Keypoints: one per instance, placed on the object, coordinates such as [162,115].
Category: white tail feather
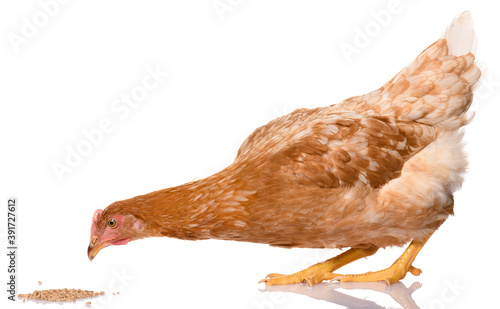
[460,35]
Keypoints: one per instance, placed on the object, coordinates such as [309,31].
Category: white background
[229,73]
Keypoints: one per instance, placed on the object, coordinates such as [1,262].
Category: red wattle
[121,242]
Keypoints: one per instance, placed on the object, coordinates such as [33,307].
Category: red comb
[95,218]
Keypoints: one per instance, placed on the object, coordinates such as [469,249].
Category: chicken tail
[460,35]
[436,88]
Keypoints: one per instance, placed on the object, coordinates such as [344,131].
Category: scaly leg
[321,271]
[395,272]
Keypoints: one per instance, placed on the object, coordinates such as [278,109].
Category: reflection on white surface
[328,292]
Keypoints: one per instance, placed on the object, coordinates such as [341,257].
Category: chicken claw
[311,277]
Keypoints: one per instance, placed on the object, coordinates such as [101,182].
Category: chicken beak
[93,250]
[91,253]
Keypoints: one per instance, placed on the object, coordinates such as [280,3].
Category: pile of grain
[60,294]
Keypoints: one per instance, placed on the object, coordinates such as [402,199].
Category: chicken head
[110,229]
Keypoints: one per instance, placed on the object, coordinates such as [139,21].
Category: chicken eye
[112,223]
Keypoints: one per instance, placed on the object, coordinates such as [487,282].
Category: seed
[88,304]
[39,282]
[60,294]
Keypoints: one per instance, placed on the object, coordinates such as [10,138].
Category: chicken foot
[395,272]
[321,271]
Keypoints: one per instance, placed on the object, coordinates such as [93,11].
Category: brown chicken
[373,171]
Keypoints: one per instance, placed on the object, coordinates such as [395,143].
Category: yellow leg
[395,272]
[321,271]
